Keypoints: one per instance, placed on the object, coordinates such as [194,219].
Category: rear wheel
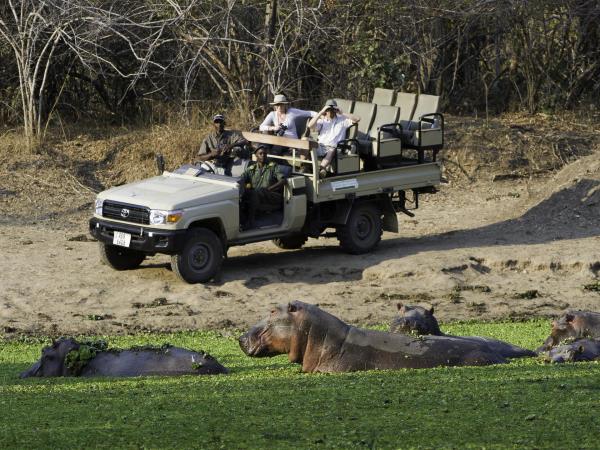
[120,258]
[362,231]
[201,257]
[291,242]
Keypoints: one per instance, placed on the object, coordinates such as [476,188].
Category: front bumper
[147,240]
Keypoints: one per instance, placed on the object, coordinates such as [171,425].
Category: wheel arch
[213,224]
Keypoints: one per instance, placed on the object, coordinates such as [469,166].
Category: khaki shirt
[214,140]
[262,178]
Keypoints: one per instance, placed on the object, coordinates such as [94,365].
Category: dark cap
[218,118]
[263,146]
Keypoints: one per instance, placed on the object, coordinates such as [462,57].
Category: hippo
[321,342]
[573,325]
[166,360]
[579,350]
[420,321]
[415,320]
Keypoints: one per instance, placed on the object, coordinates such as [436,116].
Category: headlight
[98,206]
[158,216]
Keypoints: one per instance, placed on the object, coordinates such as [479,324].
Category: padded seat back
[385,115]
[366,112]
[345,105]
[426,104]
[285,170]
[383,97]
[300,123]
[406,102]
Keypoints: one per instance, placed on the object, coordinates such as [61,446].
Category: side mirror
[160,163]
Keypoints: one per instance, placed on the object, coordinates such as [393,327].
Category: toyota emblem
[124,213]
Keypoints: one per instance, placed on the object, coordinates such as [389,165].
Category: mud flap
[390,220]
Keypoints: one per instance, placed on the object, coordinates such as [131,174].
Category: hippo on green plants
[321,342]
[415,320]
[578,350]
[67,357]
[419,321]
[573,325]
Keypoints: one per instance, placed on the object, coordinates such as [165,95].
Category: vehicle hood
[172,191]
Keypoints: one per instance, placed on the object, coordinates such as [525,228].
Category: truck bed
[375,182]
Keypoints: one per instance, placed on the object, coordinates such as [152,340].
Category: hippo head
[415,320]
[565,353]
[562,329]
[52,362]
[272,335]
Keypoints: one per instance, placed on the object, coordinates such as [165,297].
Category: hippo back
[368,350]
[171,361]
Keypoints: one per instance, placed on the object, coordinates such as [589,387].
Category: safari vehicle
[194,215]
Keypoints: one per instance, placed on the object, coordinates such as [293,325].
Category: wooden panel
[277,140]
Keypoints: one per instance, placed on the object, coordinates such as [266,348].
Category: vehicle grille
[125,212]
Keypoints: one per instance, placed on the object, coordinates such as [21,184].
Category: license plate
[122,239]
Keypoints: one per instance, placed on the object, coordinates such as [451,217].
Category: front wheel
[201,257]
[120,258]
[362,231]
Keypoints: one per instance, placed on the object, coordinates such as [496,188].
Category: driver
[222,146]
[263,184]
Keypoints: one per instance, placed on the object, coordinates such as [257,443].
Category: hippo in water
[419,321]
[573,325]
[579,350]
[166,360]
[321,342]
[415,320]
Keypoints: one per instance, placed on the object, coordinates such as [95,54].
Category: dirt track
[507,249]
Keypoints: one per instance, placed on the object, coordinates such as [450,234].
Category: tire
[291,242]
[201,257]
[120,258]
[362,231]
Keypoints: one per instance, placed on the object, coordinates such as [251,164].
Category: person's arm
[312,123]
[205,153]
[269,123]
[352,117]
[280,180]
[302,113]
[235,140]
[246,179]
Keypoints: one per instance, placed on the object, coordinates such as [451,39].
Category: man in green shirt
[263,183]
[222,146]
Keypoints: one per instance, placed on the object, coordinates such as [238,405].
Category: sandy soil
[512,248]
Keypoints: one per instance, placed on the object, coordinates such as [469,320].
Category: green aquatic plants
[79,357]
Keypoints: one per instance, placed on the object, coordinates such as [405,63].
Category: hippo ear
[399,306]
[569,317]
[580,349]
[431,310]
[292,307]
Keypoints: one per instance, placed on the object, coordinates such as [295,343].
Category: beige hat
[279,99]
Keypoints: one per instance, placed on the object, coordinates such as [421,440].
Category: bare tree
[38,30]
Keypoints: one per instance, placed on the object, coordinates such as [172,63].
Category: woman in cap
[331,124]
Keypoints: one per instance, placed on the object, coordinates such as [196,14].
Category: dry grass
[76,161]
